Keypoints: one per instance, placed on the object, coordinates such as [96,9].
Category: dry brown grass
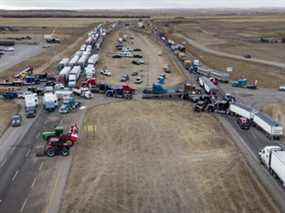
[50,22]
[267,76]
[151,156]
[7,109]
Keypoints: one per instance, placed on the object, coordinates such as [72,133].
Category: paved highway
[19,171]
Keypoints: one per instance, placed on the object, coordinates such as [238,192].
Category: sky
[137,4]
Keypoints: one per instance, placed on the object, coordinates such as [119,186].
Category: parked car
[282,88]
[137,50]
[138,80]
[125,78]
[134,73]
[248,56]
[138,62]
[138,56]
[116,56]
[106,72]
[16,120]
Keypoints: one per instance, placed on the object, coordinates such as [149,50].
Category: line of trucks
[83,60]
[273,156]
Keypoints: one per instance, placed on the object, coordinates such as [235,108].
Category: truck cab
[265,154]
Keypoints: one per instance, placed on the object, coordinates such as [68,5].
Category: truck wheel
[50,152]
[65,151]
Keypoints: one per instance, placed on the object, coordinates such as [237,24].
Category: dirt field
[149,156]
[267,76]
[72,33]
[7,109]
[238,35]
[149,72]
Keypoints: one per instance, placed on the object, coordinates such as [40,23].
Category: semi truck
[273,158]
[219,75]
[208,85]
[50,102]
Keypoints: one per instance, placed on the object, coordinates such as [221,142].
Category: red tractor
[60,143]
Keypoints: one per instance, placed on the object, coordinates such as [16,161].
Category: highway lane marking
[35,180]
[38,135]
[12,149]
[41,166]
[24,204]
[15,175]
[3,163]
[52,193]
[28,153]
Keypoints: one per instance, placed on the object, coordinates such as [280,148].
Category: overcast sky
[123,4]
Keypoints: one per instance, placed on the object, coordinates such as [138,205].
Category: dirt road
[228,55]
[154,156]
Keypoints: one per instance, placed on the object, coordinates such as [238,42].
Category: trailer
[93,59]
[64,62]
[272,128]
[73,76]
[63,74]
[74,60]
[83,59]
[219,75]
[90,71]
[208,85]
[242,110]
[273,158]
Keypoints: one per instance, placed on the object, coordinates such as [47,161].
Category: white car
[106,72]
[282,88]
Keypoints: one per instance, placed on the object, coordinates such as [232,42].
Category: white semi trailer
[268,125]
[242,110]
[273,158]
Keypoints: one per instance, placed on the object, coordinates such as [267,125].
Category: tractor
[59,143]
[56,146]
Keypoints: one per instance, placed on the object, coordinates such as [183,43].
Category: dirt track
[159,157]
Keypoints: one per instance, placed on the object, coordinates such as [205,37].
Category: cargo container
[242,110]
[219,75]
[273,158]
[268,125]
[64,62]
[208,86]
